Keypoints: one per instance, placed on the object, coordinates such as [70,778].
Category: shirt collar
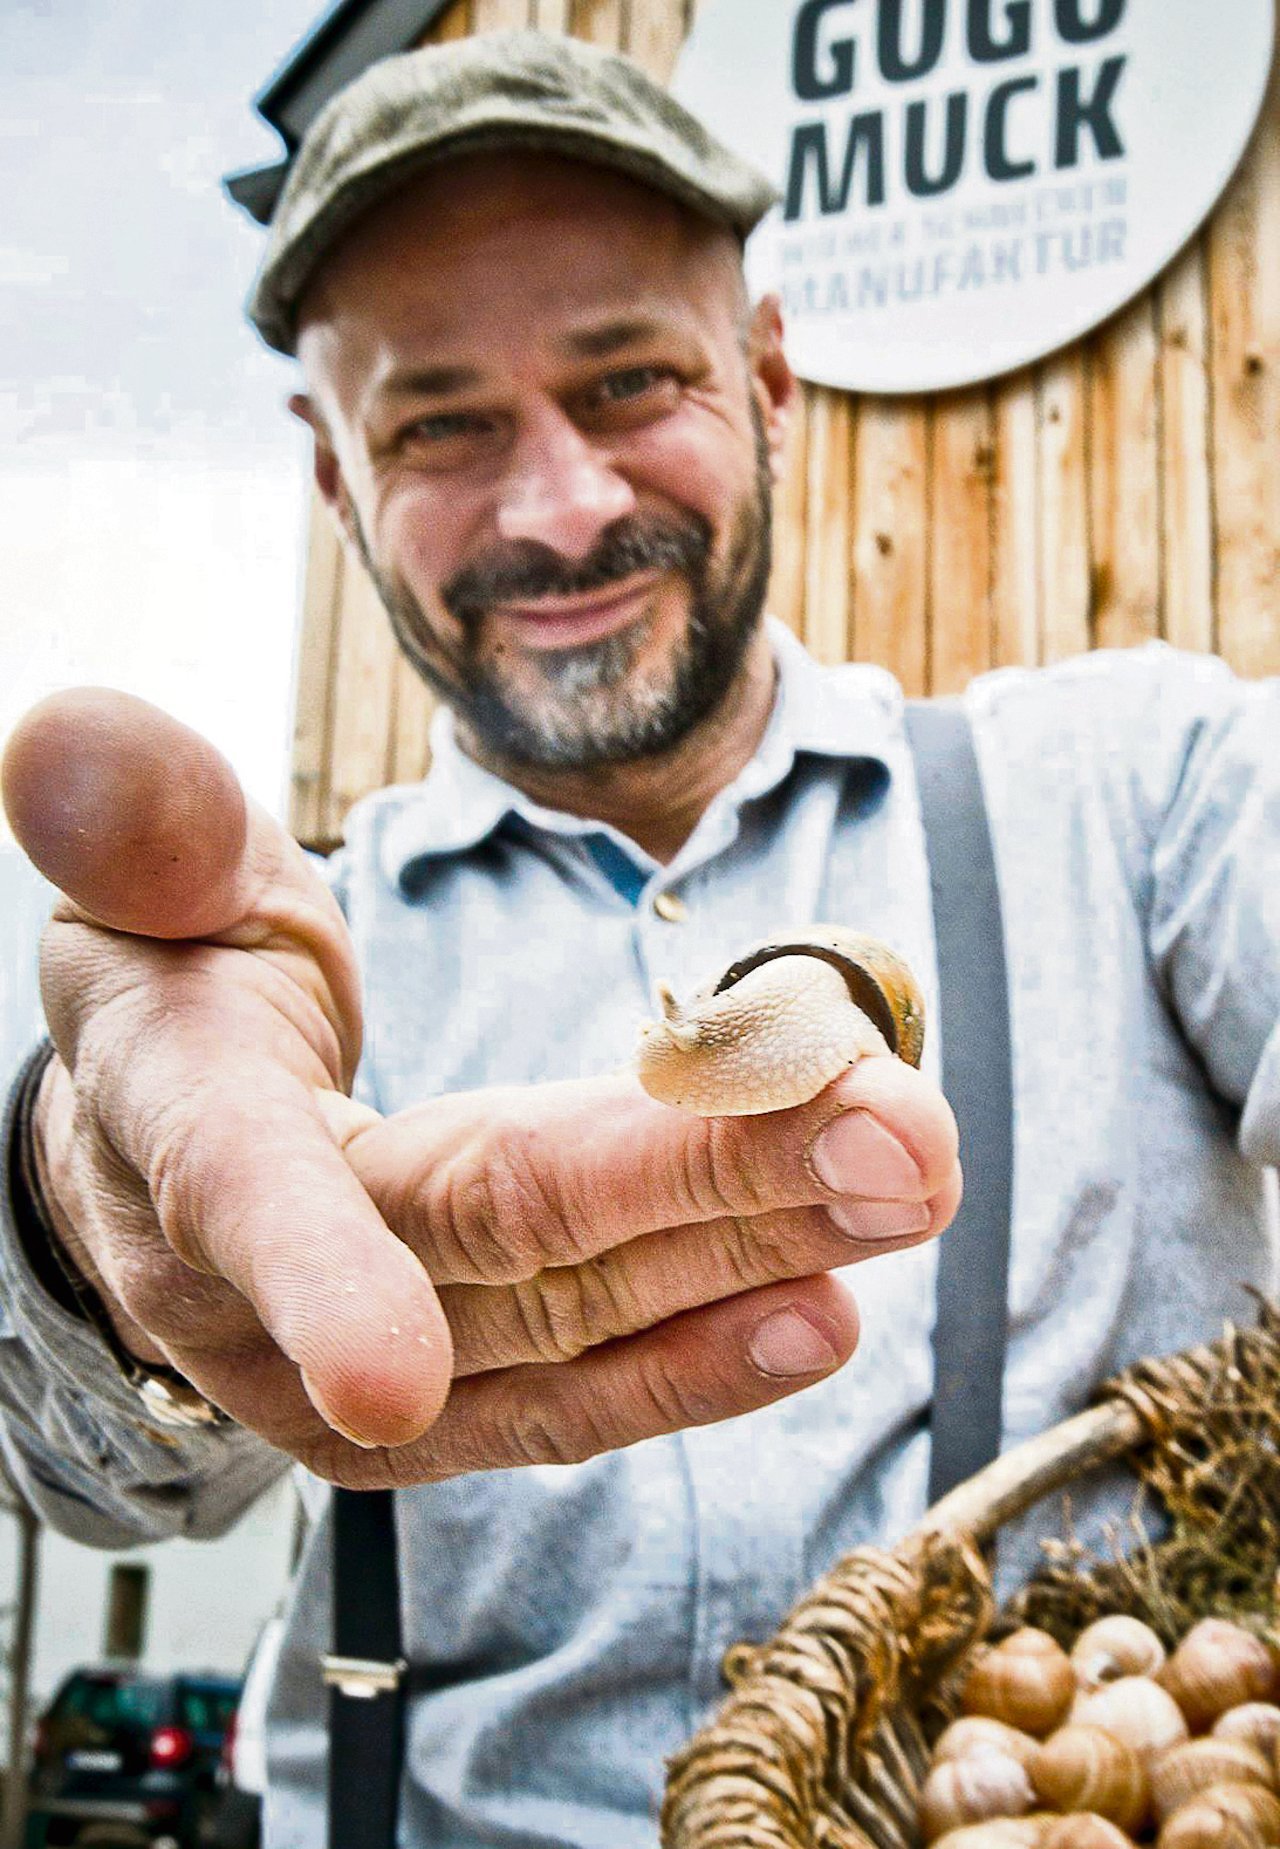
[852,712]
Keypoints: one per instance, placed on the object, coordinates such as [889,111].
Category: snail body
[997,1833]
[780,1024]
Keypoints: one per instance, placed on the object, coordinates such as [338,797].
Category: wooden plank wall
[1126,488]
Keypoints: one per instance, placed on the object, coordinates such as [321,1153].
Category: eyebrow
[589,343]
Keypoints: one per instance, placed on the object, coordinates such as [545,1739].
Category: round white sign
[968,184]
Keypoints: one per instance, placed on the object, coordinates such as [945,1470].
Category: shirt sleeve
[1213,822]
[74,1436]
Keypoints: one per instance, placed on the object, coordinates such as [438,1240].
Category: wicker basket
[823,1742]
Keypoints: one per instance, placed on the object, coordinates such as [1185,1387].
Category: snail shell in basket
[1185,1770]
[1085,1769]
[1256,1723]
[978,1733]
[781,1023]
[1225,1817]
[1219,1666]
[1137,1711]
[972,1790]
[1026,1681]
[998,1833]
[1114,1647]
[1085,1831]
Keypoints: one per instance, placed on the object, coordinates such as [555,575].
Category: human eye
[632,395]
[439,427]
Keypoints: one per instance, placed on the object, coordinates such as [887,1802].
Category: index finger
[492,1187]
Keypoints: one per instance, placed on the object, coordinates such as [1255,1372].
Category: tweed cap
[496,90]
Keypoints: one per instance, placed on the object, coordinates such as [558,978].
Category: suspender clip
[361,1678]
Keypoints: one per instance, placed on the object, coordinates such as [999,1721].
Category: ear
[772,379]
[325,466]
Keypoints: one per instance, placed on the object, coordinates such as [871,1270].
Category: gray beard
[584,708]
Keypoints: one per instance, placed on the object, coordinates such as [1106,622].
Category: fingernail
[872,1220]
[855,1155]
[787,1343]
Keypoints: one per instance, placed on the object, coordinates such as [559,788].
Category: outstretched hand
[530,1274]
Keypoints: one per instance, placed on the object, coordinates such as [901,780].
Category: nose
[559,490]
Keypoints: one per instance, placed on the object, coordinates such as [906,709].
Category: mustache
[526,570]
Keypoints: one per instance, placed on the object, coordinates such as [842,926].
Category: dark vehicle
[124,1759]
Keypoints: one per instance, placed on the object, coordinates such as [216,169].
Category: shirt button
[667,906]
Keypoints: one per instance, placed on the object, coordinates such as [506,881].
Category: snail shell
[998,1833]
[1084,1831]
[971,1790]
[1114,1647]
[1026,1681]
[1225,1817]
[1219,1666]
[1256,1724]
[1084,1769]
[978,1733]
[1185,1770]
[781,1023]
[1137,1711]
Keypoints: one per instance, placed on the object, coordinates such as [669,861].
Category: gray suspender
[366,1711]
[971,1322]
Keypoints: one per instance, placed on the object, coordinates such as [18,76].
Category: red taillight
[170,1746]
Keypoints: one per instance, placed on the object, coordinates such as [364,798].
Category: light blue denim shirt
[566,1625]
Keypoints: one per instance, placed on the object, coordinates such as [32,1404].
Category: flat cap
[496,90]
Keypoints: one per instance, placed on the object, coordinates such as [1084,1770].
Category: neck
[658,801]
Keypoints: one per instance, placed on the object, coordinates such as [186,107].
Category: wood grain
[1124,479]
[1015,518]
[962,470]
[1186,499]
[1064,598]
[312,711]
[786,597]
[891,538]
[829,525]
[1244,267]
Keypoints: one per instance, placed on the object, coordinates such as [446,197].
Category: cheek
[702,467]
[422,537]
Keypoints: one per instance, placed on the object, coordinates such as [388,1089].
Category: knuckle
[670,1403]
[547,1434]
[501,1211]
[580,1305]
[720,1177]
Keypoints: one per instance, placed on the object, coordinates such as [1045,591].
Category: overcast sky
[151,486]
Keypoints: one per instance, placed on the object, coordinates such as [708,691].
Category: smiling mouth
[587,616]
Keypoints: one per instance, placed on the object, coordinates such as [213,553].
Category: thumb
[135,817]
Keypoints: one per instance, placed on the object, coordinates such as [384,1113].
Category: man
[546,416]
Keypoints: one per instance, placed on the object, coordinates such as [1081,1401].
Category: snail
[1256,1723]
[1219,1666]
[1084,1769]
[1137,1711]
[1114,1647]
[1085,1831]
[998,1833]
[1224,1817]
[1185,1770]
[961,1791]
[978,1733]
[781,1023]
[1026,1681]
